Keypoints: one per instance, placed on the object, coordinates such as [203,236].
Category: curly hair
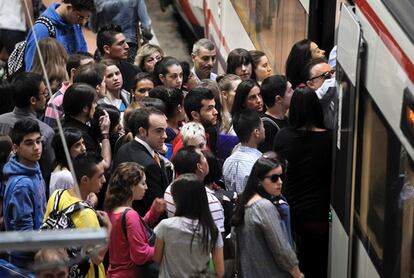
[124,178]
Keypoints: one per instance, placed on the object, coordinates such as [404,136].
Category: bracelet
[105,136]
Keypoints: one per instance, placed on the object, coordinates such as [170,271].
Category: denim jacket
[125,13]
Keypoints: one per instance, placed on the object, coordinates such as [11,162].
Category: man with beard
[149,127]
[199,106]
[204,59]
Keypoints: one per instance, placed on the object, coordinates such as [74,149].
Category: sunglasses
[275,177]
[325,75]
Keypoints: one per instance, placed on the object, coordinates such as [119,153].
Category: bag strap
[236,265]
[70,209]
[57,199]
[269,120]
[50,27]
[123,222]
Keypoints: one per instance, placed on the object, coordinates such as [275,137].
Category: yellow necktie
[157,159]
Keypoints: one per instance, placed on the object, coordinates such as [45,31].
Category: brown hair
[123,179]
[54,57]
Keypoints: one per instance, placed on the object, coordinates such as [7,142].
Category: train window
[273,26]
[402,10]
[373,178]
[406,208]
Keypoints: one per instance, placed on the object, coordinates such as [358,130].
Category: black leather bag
[149,269]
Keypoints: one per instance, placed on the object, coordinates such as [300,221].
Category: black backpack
[61,219]
[15,63]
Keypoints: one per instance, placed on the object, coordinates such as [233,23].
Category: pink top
[126,256]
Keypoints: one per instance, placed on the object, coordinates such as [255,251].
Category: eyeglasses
[324,76]
[80,16]
[275,177]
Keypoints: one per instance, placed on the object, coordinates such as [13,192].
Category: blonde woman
[147,56]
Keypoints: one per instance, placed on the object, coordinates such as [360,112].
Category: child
[184,242]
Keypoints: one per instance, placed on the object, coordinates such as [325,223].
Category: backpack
[15,63]
[61,219]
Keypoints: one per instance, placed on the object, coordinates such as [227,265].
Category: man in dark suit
[149,127]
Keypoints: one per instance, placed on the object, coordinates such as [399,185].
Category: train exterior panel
[372,183]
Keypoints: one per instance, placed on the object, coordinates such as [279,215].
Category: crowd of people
[186,169]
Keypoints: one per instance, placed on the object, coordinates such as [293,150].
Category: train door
[347,75]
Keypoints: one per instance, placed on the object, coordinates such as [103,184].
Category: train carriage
[372,200]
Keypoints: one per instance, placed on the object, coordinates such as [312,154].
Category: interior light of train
[407,116]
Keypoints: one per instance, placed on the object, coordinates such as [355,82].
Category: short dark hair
[310,64]
[161,67]
[91,74]
[140,118]
[172,97]
[238,57]
[305,109]
[155,103]
[76,97]
[245,122]
[25,86]
[142,76]
[273,86]
[22,128]
[74,60]
[81,5]
[113,113]
[106,36]
[242,91]
[192,101]
[185,160]
[72,136]
[85,165]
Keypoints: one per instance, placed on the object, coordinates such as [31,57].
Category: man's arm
[21,209]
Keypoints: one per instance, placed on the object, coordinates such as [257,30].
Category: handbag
[149,269]
[232,266]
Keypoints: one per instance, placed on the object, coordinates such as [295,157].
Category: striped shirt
[53,112]
[216,210]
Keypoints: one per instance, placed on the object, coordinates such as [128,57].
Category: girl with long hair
[247,97]
[300,54]
[129,245]
[260,229]
[184,242]
[261,65]
[61,177]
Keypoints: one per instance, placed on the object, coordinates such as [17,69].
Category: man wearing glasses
[321,78]
[66,19]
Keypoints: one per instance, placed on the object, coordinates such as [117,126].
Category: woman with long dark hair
[184,242]
[300,54]
[129,246]
[260,229]
[61,177]
[307,146]
[247,97]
